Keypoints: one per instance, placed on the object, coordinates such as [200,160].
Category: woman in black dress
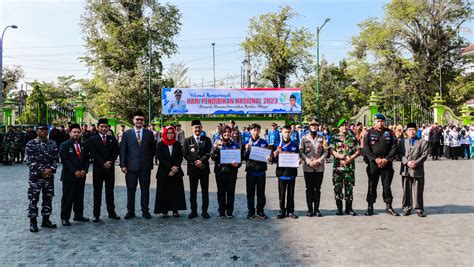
[170,187]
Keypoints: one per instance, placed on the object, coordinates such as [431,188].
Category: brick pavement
[445,237]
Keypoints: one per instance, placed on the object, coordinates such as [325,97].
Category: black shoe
[205,215]
[165,216]
[229,215]
[339,207]
[262,215]
[349,210]
[96,219]
[192,215]
[65,222]
[310,214]
[317,213]
[420,214]
[250,215]
[292,215]
[176,214]
[391,211]
[47,223]
[222,216]
[370,210]
[80,219]
[129,215]
[281,214]
[146,215]
[406,213]
[114,216]
[33,225]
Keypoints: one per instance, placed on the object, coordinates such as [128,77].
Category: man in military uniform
[9,146]
[345,149]
[20,143]
[2,137]
[380,148]
[178,105]
[42,160]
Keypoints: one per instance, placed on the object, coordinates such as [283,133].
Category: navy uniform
[2,137]
[255,178]
[20,143]
[380,144]
[286,181]
[9,146]
[41,155]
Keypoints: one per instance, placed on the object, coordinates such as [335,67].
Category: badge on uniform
[193,150]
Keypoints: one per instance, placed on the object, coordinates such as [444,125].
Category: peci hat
[195,122]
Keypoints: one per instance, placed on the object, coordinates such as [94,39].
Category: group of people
[137,148]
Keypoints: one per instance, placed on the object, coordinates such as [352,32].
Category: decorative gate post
[438,109]
[374,101]
[466,115]
[79,109]
[8,106]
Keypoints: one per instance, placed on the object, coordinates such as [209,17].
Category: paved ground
[445,237]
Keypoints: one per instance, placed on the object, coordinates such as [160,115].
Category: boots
[33,225]
[339,207]
[47,223]
[370,210]
[349,210]
[390,210]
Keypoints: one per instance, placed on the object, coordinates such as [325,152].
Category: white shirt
[197,138]
[141,133]
[170,148]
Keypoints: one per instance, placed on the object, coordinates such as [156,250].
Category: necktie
[78,150]
[138,137]
[103,139]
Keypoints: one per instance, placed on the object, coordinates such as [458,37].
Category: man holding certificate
[286,155]
[257,154]
[227,155]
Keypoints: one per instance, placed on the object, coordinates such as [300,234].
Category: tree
[11,76]
[408,50]
[282,49]
[178,73]
[119,37]
[35,109]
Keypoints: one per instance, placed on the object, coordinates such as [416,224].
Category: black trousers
[386,175]
[193,183]
[73,198]
[99,177]
[258,183]
[286,189]
[313,182]
[226,192]
[435,149]
[132,179]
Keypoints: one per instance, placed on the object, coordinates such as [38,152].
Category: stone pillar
[438,109]
[79,110]
[374,101]
[466,115]
[8,107]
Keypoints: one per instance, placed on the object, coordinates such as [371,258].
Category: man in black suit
[137,150]
[197,151]
[75,158]
[104,150]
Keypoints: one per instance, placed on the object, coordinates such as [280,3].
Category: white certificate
[290,160]
[230,155]
[259,153]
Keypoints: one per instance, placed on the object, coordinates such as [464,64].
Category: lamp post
[214,63]
[318,84]
[149,72]
[1,62]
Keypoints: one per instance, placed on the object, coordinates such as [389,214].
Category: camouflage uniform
[41,155]
[20,138]
[2,137]
[9,147]
[343,176]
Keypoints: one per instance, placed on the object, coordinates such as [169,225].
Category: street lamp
[214,63]
[1,62]
[318,84]
[149,71]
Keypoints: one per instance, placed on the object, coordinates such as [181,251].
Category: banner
[231,101]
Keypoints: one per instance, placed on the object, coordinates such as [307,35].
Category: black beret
[411,125]
[75,126]
[42,126]
[139,113]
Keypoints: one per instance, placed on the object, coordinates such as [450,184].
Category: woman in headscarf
[226,174]
[170,187]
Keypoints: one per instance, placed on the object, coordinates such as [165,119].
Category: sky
[48,41]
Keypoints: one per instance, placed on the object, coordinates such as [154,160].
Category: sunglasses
[139,119]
